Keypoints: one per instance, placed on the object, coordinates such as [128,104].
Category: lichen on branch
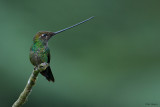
[31,82]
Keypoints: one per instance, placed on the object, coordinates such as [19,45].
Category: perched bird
[40,53]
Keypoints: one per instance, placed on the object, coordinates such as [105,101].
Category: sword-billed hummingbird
[39,51]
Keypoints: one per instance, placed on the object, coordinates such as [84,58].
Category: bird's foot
[43,66]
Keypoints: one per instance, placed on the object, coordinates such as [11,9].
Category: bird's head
[44,36]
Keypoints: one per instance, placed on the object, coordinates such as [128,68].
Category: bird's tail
[48,74]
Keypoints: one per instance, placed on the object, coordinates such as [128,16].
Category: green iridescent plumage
[40,53]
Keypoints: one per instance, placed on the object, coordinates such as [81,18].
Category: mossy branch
[31,82]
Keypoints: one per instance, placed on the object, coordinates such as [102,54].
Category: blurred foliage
[110,61]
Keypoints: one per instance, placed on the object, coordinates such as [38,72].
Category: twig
[31,82]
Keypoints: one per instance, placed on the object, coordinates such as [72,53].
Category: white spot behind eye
[43,35]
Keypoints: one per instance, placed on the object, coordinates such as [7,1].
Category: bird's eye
[44,35]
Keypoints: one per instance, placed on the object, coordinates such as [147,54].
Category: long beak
[73,26]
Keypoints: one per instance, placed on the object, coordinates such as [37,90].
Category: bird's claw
[43,66]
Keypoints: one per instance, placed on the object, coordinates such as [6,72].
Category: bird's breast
[38,56]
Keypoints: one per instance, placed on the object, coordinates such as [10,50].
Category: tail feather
[48,74]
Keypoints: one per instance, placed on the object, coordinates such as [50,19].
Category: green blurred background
[111,61]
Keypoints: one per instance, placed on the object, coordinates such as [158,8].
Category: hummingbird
[40,53]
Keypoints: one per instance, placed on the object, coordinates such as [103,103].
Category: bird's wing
[48,55]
